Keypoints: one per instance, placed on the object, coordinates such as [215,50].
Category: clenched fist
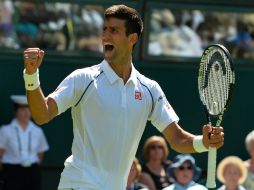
[32,59]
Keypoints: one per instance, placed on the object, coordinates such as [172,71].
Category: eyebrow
[111,27]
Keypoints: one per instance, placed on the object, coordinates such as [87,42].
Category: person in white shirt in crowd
[185,173]
[22,147]
[111,103]
[232,173]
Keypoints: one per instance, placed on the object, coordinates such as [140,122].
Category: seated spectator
[185,173]
[134,176]
[232,173]
[249,143]
[154,174]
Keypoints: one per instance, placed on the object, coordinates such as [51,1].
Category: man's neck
[23,124]
[123,70]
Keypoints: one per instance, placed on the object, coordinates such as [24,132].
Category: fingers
[32,59]
[216,137]
[213,136]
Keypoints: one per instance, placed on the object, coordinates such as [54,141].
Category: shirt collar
[113,77]
[16,124]
[179,186]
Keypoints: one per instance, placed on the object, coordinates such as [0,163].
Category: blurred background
[175,35]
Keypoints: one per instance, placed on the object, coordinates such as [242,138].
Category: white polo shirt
[22,146]
[109,119]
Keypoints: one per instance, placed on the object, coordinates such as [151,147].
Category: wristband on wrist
[32,82]
[198,144]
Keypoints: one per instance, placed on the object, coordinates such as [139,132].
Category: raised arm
[42,109]
[182,141]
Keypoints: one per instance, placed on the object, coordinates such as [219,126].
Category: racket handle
[212,154]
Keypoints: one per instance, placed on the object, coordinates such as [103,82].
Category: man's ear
[133,38]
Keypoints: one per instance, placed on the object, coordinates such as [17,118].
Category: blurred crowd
[23,144]
[183,173]
[56,26]
[176,32]
[187,32]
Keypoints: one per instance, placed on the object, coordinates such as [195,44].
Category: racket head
[216,79]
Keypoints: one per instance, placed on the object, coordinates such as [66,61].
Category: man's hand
[213,136]
[32,59]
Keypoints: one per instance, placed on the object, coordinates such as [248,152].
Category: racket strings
[216,79]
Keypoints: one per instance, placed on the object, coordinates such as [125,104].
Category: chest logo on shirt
[138,95]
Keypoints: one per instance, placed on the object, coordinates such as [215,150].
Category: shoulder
[221,187]
[198,186]
[170,187]
[241,187]
[36,128]
[247,163]
[88,72]
[146,81]
[5,128]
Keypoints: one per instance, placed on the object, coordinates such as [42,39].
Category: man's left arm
[182,141]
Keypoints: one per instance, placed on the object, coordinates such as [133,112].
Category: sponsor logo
[138,95]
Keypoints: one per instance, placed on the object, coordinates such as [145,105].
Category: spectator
[22,147]
[232,173]
[185,173]
[154,171]
[134,176]
[249,143]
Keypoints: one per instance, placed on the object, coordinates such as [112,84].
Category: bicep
[52,108]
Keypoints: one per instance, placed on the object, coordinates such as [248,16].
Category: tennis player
[111,103]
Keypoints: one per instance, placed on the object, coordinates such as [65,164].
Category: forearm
[179,140]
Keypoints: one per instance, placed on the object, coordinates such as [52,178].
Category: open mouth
[108,47]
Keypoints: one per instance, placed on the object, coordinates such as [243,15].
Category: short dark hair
[17,106]
[133,21]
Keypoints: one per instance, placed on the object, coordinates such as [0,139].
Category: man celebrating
[111,103]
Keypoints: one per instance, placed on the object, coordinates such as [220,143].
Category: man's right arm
[42,109]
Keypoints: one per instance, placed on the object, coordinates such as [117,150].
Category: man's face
[23,114]
[116,45]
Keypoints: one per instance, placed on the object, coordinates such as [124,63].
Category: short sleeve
[67,93]
[162,114]
[3,137]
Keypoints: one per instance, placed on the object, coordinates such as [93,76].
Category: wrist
[32,81]
[198,144]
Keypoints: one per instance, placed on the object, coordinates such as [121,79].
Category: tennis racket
[216,79]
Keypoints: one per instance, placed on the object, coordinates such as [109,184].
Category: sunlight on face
[117,45]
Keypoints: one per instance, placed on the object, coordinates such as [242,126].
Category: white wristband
[198,144]
[32,82]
